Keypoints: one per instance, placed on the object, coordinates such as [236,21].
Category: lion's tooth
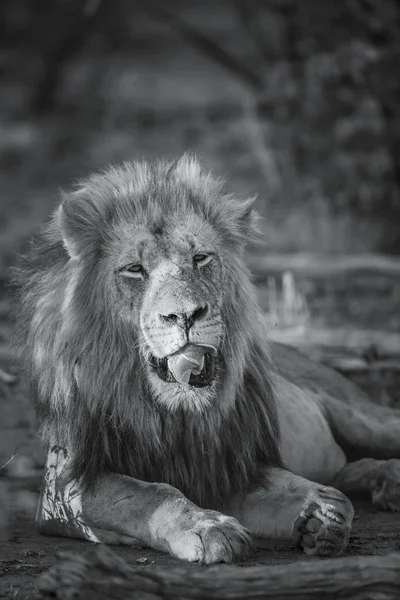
[199,369]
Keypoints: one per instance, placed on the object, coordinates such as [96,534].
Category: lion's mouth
[194,366]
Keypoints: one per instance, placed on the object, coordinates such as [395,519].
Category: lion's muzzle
[192,365]
[182,326]
[185,320]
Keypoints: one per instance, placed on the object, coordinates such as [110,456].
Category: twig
[9,460]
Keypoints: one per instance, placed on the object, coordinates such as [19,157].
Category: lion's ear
[78,219]
[248,219]
[240,217]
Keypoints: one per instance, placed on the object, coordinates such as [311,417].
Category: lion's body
[155,385]
[308,447]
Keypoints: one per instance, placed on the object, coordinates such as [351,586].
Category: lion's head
[164,249]
[138,311]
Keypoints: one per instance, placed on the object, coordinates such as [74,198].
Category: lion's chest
[307,444]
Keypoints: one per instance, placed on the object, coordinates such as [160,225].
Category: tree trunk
[102,574]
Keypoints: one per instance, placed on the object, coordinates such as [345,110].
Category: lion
[170,420]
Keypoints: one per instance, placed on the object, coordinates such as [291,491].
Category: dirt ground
[24,554]
[27,554]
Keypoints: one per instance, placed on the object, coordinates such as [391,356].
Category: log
[353,364]
[309,338]
[316,265]
[101,574]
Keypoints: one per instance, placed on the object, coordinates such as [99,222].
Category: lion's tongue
[187,361]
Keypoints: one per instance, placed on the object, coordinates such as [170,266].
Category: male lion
[170,421]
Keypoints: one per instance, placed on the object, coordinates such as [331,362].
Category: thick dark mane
[92,390]
[208,457]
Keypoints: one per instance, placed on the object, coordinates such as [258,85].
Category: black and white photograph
[199,299]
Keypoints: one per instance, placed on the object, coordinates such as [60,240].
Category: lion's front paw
[385,492]
[211,538]
[323,526]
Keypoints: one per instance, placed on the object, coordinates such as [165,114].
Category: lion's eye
[201,258]
[132,271]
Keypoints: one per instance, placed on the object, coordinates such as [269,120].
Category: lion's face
[167,282]
[163,246]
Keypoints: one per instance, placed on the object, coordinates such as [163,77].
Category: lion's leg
[364,430]
[380,478]
[316,517]
[123,510]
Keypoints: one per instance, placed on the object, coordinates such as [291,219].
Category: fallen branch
[312,265]
[9,460]
[102,574]
[353,364]
[310,339]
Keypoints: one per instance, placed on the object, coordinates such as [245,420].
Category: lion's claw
[213,538]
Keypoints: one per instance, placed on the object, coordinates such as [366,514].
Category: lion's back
[315,377]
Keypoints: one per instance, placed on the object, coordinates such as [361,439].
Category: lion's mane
[106,413]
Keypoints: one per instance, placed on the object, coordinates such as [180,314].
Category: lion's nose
[185,320]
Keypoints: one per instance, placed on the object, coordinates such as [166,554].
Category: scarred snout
[182,328]
[176,313]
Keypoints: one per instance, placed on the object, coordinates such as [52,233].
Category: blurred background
[297,101]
